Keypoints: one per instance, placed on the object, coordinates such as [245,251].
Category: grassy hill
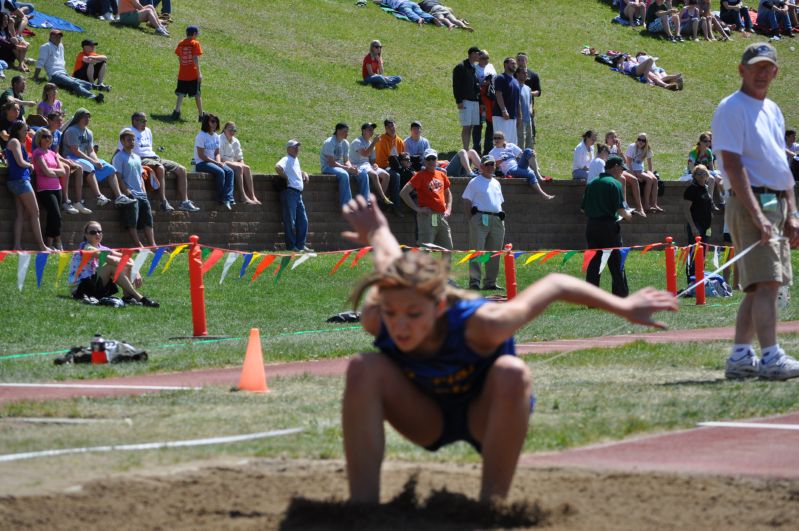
[291,69]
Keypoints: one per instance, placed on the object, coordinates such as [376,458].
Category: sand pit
[285,494]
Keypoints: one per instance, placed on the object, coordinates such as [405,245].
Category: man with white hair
[295,220]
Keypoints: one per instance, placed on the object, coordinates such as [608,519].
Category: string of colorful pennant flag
[258,262]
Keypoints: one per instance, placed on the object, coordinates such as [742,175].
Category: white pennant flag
[716,257]
[605,257]
[138,263]
[231,257]
[22,269]
[301,259]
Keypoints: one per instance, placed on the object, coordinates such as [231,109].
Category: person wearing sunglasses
[48,172]
[206,155]
[433,204]
[372,69]
[95,282]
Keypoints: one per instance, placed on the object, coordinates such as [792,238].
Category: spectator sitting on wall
[54,122]
[335,160]
[208,160]
[144,148]
[362,156]
[513,162]
[77,144]
[387,151]
[416,145]
[91,66]
[232,155]
[138,215]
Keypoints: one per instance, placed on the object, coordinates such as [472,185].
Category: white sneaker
[779,367]
[67,207]
[162,31]
[81,208]
[102,200]
[124,200]
[746,366]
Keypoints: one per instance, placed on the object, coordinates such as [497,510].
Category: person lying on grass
[446,369]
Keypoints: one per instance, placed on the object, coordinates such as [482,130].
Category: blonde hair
[700,169]
[419,271]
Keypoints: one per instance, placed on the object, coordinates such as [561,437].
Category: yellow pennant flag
[466,258]
[533,257]
[63,261]
[726,254]
[172,256]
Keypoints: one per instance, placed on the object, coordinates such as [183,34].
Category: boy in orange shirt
[434,202]
[189,75]
[91,66]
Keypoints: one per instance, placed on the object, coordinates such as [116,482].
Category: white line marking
[753,425]
[102,386]
[56,420]
[149,446]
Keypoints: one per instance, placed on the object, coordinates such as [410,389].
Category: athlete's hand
[365,218]
[645,302]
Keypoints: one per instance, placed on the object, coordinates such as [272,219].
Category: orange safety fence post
[510,272]
[197,287]
[699,271]
[671,267]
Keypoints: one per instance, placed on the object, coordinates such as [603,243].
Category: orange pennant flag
[266,262]
[3,255]
[85,256]
[212,259]
[549,255]
[587,256]
[644,251]
[360,255]
[340,261]
[123,261]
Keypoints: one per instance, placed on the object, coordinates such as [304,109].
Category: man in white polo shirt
[295,220]
[748,131]
[482,201]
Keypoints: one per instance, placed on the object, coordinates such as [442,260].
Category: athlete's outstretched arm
[370,227]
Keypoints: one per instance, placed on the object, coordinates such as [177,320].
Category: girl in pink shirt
[48,171]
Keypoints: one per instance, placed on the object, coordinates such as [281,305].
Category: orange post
[197,288]
[510,272]
[699,270]
[671,267]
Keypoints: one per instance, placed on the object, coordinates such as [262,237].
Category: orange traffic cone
[253,374]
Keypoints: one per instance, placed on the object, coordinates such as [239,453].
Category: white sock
[770,353]
[740,351]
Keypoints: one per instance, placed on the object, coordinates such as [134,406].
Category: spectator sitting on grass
[233,157]
[51,58]
[15,94]
[54,122]
[103,9]
[77,144]
[50,102]
[711,20]
[372,68]
[132,13]
[734,12]
[691,21]
[633,10]
[143,147]
[138,215]
[792,152]
[444,15]
[12,46]
[773,14]
[97,281]
[662,18]
[91,66]
[19,183]
[513,162]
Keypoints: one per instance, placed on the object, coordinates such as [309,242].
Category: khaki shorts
[764,263]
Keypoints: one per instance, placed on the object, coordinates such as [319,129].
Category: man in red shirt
[433,205]
[189,75]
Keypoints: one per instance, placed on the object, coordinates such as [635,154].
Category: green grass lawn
[291,69]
